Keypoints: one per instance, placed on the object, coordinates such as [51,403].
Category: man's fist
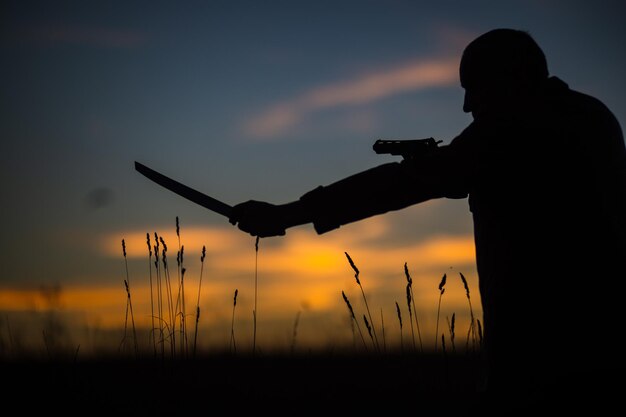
[259,218]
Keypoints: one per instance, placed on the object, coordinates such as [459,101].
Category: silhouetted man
[544,168]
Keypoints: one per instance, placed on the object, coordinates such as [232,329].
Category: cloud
[412,76]
[302,252]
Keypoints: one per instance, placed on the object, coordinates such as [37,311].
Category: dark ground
[241,385]
[267,385]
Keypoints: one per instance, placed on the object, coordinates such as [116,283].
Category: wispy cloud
[302,252]
[412,76]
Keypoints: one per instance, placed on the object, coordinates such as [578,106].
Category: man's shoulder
[578,100]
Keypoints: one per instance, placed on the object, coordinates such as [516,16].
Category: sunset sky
[245,100]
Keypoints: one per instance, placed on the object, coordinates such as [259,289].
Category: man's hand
[259,218]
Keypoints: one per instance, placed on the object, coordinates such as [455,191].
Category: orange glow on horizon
[299,274]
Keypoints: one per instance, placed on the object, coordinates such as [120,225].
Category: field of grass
[158,371]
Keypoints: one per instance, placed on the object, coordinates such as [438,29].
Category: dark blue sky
[90,87]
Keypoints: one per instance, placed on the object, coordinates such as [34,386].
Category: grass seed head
[408,295]
[442,283]
[367,324]
[452,322]
[399,314]
[356,270]
[345,298]
[148,242]
[465,284]
[408,276]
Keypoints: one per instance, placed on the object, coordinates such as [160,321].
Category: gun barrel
[403,147]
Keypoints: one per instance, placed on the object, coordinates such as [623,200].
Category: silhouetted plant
[233,345]
[472,329]
[358,281]
[410,299]
[129,304]
[441,291]
[256,285]
[451,329]
[354,320]
[195,337]
[153,329]
[400,321]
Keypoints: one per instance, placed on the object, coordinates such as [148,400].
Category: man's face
[486,92]
[476,97]
[483,97]
[472,102]
[479,99]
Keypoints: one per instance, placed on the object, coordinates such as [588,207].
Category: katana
[185,191]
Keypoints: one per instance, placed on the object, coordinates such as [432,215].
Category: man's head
[499,69]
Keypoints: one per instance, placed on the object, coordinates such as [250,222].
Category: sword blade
[185,191]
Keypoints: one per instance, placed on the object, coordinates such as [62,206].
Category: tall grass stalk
[472,330]
[180,309]
[195,336]
[400,321]
[353,318]
[451,325]
[358,281]
[382,329]
[295,332]
[152,330]
[159,290]
[184,343]
[170,303]
[480,332]
[369,329]
[233,345]
[441,291]
[408,302]
[129,304]
[412,309]
[256,280]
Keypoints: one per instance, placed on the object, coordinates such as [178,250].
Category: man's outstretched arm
[384,188]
